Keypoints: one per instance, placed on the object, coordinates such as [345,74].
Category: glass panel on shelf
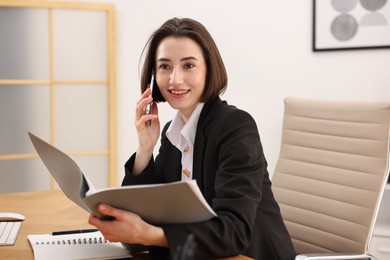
[80,45]
[23,175]
[82,117]
[24,43]
[23,109]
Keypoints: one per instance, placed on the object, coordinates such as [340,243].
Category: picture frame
[351,24]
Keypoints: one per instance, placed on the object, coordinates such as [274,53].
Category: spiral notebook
[75,246]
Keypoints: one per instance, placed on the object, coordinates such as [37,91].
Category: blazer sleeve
[151,174]
[234,166]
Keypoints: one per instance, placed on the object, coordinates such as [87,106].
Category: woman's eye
[164,67]
[189,66]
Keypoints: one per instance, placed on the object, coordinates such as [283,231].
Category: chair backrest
[331,173]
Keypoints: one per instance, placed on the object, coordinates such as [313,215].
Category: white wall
[266,46]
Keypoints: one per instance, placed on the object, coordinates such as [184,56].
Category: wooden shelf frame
[109,9]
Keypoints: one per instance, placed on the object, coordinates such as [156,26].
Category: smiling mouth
[179,92]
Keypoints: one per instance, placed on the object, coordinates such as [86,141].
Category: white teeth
[179,92]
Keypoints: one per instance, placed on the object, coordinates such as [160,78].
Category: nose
[176,77]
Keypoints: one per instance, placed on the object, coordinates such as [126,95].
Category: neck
[186,114]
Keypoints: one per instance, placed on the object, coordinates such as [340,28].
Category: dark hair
[216,77]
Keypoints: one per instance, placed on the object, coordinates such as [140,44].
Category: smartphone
[149,106]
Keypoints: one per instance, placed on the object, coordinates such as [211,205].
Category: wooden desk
[46,212]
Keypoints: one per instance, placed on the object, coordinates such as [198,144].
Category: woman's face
[180,73]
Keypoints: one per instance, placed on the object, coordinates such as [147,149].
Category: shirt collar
[180,133]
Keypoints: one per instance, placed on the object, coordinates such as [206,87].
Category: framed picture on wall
[351,24]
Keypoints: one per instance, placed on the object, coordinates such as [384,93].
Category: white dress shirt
[182,135]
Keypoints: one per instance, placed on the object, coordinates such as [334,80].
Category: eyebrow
[182,59]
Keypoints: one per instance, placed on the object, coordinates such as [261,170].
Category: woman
[208,140]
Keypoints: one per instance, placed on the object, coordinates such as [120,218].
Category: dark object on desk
[187,251]
[68,232]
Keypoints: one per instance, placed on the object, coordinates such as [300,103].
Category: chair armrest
[335,256]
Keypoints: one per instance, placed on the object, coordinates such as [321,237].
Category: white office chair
[331,174]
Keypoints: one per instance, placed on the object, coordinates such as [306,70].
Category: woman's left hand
[127,228]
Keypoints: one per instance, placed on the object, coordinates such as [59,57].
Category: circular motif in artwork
[372,5]
[344,27]
[343,6]
[373,19]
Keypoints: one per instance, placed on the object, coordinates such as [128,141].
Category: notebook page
[75,246]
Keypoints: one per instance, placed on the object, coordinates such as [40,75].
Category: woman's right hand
[147,134]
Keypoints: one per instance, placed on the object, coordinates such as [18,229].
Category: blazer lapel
[200,139]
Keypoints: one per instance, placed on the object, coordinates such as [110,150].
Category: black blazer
[231,171]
